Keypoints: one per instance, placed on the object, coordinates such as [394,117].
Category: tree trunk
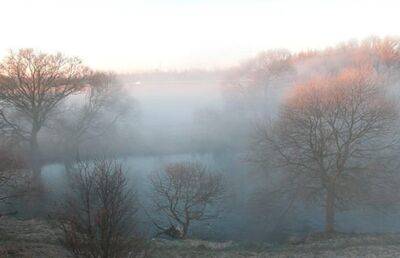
[36,162]
[71,155]
[36,195]
[185,230]
[330,210]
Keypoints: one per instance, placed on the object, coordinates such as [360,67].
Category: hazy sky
[177,34]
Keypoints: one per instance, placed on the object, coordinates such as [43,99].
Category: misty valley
[287,154]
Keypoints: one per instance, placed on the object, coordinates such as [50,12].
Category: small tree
[98,217]
[326,139]
[183,193]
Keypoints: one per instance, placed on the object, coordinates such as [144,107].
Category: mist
[282,151]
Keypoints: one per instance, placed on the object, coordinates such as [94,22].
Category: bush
[98,217]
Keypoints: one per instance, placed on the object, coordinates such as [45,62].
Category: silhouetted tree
[326,137]
[183,193]
[93,113]
[32,84]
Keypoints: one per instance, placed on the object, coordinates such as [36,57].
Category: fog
[201,116]
[284,144]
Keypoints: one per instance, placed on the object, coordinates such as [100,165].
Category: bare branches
[92,113]
[185,192]
[327,134]
[34,83]
[98,219]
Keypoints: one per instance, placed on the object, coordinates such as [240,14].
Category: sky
[129,35]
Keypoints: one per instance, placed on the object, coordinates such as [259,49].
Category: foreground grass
[35,238]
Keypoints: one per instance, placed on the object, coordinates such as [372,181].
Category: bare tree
[253,85]
[184,193]
[92,114]
[324,144]
[31,86]
[98,217]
